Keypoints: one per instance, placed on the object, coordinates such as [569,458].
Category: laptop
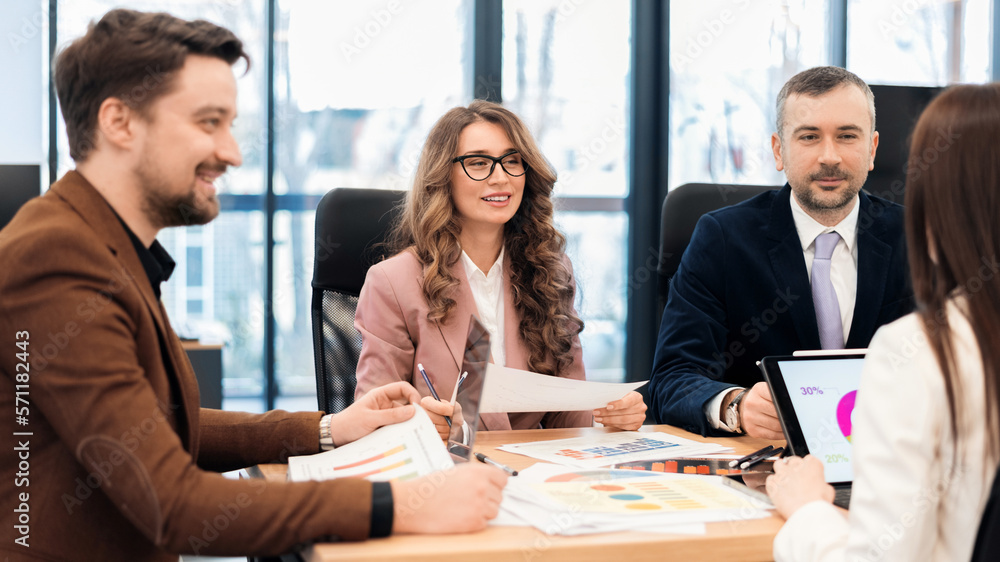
[469,391]
[814,396]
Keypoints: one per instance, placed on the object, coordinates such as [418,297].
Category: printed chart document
[609,448]
[564,501]
[514,390]
[395,452]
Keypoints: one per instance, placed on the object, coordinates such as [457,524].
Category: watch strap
[734,406]
[325,435]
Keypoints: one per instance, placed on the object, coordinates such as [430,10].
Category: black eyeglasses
[480,166]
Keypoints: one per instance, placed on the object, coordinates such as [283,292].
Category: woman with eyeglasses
[476,236]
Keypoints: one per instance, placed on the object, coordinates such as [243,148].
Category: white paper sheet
[401,451]
[514,390]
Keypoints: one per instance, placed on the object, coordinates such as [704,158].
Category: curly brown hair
[540,276]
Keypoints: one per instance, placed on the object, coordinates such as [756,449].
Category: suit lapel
[789,268]
[873,270]
[95,210]
[456,330]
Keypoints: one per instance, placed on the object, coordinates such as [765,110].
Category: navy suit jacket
[742,293]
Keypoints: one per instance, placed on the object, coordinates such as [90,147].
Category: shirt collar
[809,229]
[471,268]
[156,262]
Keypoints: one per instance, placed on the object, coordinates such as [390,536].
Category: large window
[919,43]
[216,293]
[570,84]
[721,120]
[357,87]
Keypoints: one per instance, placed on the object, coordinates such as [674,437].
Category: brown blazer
[122,460]
[396,335]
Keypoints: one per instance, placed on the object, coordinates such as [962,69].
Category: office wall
[22,149]
[22,35]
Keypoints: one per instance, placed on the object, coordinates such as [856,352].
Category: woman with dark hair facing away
[476,236]
[925,434]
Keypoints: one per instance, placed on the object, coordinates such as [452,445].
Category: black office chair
[987,547]
[351,225]
[682,208]
[19,183]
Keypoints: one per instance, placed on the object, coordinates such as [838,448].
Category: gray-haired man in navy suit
[815,265]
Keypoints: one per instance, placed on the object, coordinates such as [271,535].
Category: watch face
[731,419]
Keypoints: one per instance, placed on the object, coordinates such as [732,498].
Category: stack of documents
[573,502]
[394,452]
[611,448]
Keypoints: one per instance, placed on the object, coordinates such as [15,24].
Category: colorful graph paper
[635,496]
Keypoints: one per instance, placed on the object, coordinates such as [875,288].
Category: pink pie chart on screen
[844,410]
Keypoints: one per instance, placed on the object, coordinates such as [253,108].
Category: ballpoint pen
[434,393]
[741,460]
[757,458]
[491,462]
[458,385]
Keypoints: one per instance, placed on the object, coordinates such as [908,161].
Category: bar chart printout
[610,448]
[396,452]
[716,466]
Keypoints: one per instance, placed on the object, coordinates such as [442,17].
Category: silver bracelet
[325,436]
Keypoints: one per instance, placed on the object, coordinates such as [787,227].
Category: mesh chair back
[351,226]
[682,208]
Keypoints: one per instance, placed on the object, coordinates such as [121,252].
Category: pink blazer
[396,335]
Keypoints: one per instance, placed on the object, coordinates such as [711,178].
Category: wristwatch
[732,417]
[325,436]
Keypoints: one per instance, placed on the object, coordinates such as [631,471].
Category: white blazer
[910,502]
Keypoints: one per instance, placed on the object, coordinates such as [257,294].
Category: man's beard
[164,210]
[809,201]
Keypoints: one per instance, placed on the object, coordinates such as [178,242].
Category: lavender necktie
[831,329]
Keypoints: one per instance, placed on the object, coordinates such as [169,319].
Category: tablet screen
[822,392]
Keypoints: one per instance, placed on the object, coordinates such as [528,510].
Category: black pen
[492,462]
[434,393]
[762,456]
[741,460]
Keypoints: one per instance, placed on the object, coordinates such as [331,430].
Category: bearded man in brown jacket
[112,458]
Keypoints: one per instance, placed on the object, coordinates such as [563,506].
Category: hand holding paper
[385,405]
[628,413]
[514,390]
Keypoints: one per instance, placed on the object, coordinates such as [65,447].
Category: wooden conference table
[729,541]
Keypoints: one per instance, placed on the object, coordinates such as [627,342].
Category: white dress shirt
[843,274]
[487,291]
[910,501]
[843,263]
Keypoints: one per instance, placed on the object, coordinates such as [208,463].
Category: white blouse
[487,292]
